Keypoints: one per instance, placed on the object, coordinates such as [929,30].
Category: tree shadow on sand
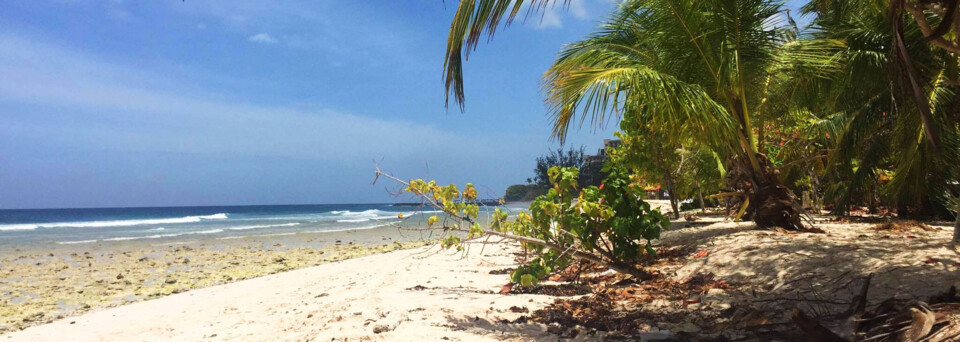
[730,282]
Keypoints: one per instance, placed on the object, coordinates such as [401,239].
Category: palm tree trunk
[668,178]
[771,204]
[703,207]
[673,195]
[814,190]
[956,226]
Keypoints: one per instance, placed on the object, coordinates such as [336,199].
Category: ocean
[20,227]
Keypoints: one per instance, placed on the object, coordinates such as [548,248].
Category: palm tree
[882,117]
[882,131]
[705,70]
[944,12]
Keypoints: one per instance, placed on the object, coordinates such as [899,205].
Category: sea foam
[353,220]
[264,226]
[114,223]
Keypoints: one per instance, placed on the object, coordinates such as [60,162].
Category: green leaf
[526,280]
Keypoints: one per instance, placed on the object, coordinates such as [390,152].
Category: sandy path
[344,300]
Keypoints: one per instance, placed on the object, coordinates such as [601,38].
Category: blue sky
[160,103]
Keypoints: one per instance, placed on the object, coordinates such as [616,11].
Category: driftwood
[920,322]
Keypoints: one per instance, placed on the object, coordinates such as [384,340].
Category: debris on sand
[902,226]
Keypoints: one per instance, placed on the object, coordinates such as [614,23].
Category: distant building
[601,156]
[611,143]
[590,172]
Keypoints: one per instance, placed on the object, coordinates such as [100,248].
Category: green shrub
[609,224]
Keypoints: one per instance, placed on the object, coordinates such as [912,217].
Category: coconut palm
[704,70]
[723,74]
[936,19]
[884,145]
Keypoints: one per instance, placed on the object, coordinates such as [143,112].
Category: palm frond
[473,20]
[674,106]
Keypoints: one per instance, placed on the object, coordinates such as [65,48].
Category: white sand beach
[713,277]
[410,295]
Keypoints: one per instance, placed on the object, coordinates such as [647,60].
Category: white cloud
[122,108]
[552,15]
[550,18]
[262,38]
[317,26]
[578,9]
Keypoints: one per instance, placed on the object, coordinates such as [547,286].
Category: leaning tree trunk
[771,203]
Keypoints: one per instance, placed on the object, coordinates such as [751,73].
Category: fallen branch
[918,323]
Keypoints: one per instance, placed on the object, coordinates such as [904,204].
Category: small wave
[155,236]
[256,235]
[346,229]
[280,234]
[306,232]
[159,236]
[379,215]
[264,226]
[75,242]
[115,223]
[410,214]
[378,218]
[369,212]
[125,238]
[18,226]
[353,220]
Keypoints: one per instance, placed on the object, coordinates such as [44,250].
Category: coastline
[411,295]
[710,276]
[43,283]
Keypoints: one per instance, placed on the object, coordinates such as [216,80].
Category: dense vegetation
[560,158]
[523,192]
[734,99]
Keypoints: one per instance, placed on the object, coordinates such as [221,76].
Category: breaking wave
[114,223]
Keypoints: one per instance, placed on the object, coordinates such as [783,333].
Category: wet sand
[40,284]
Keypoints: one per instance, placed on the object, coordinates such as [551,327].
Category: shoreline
[710,276]
[43,283]
[416,294]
